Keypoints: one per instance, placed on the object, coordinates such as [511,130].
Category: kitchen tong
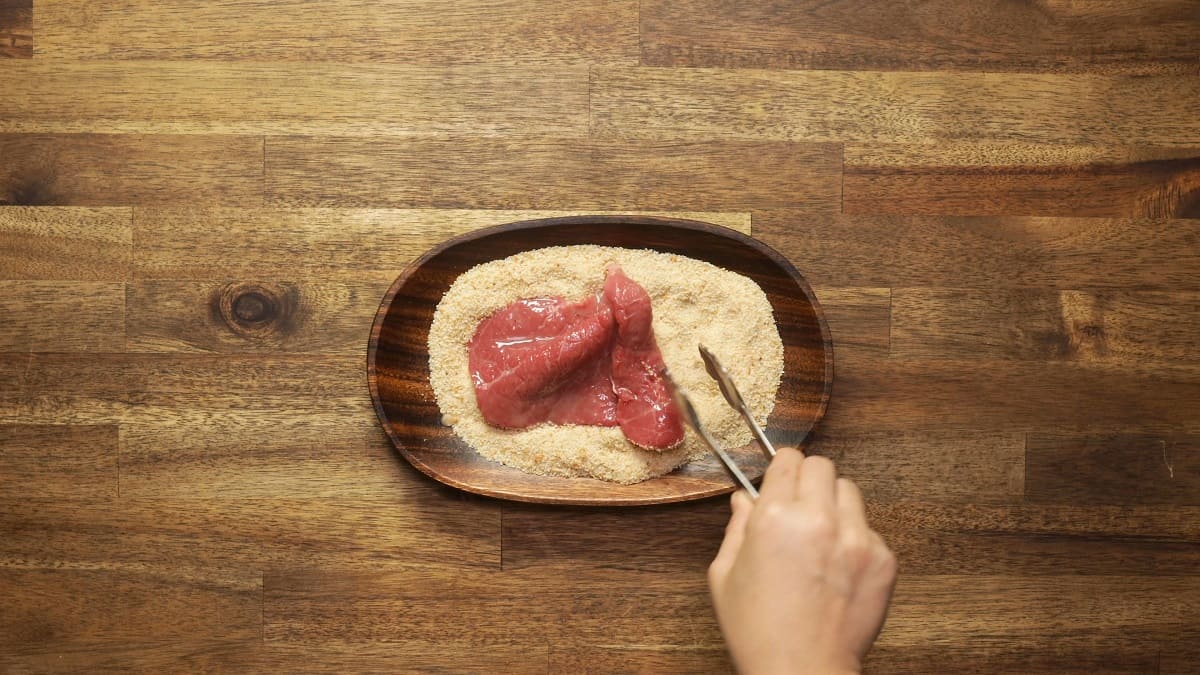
[734,398]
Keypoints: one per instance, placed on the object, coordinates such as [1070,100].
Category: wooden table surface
[204,201]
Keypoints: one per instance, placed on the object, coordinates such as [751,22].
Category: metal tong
[734,398]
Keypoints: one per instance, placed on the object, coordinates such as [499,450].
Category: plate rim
[537,223]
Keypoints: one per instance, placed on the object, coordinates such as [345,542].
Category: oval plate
[398,360]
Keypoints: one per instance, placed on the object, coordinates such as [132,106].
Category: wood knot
[32,185]
[256,310]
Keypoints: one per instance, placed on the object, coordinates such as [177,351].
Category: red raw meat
[645,409]
[593,362]
[543,360]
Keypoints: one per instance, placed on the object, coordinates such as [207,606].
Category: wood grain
[436,656]
[404,530]
[1002,612]
[121,170]
[1113,469]
[68,243]
[252,316]
[57,316]
[62,462]
[343,244]
[206,97]
[859,318]
[329,455]
[1042,540]
[590,606]
[197,655]
[551,173]
[178,388]
[1143,38]
[1177,658]
[408,530]
[571,538]
[1120,327]
[16,29]
[520,31]
[1002,395]
[1115,655]
[873,107]
[576,658]
[942,467]
[79,608]
[1022,180]
[986,252]
[410,606]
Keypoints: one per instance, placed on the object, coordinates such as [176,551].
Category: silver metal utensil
[730,391]
[693,420]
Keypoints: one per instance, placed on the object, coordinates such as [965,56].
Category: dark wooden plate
[398,363]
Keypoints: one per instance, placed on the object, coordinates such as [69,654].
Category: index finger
[815,487]
[779,481]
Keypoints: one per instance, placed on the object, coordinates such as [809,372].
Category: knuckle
[817,460]
[771,513]
[856,548]
[818,526]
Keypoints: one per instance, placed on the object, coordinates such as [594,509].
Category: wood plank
[1128,327]
[424,656]
[1034,540]
[981,395]
[57,609]
[16,29]
[60,462]
[456,612]
[686,537]
[1008,614]
[956,467]
[70,243]
[119,170]
[551,173]
[1116,656]
[612,607]
[432,33]
[894,107]
[206,243]
[180,388]
[858,317]
[227,457]
[595,659]
[1113,469]
[193,655]
[406,530]
[222,97]
[990,252]
[253,316]
[1178,658]
[1022,180]
[62,316]
[1143,38]
[45,532]
[326,656]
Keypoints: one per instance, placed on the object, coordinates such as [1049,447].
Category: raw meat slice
[545,359]
[593,362]
[645,409]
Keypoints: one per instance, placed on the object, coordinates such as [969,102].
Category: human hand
[801,583]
